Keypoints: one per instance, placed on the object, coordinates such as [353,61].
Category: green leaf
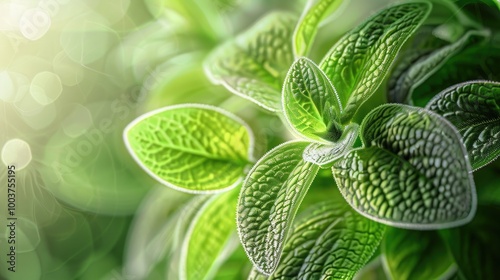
[236,266]
[413,171]
[310,102]
[359,61]
[473,108]
[207,240]
[402,86]
[185,216]
[256,275]
[315,12]
[475,246]
[416,255]
[150,236]
[325,155]
[269,199]
[192,148]
[474,63]
[330,242]
[254,64]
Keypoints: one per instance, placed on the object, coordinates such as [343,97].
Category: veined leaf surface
[359,61]
[192,148]
[418,255]
[332,241]
[473,108]
[268,202]
[413,171]
[310,102]
[305,31]
[206,242]
[254,64]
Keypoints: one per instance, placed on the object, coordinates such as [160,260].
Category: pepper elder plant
[405,169]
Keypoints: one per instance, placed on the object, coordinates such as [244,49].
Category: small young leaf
[331,242]
[475,246]
[473,108]
[412,173]
[305,31]
[401,88]
[205,245]
[418,255]
[325,155]
[269,199]
[359,61]
[192,148]
[310,102]
[254,65]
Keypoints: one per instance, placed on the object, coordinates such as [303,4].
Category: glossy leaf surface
[269,199]
[413,171]
[418,255]
[475,247]
[193,148]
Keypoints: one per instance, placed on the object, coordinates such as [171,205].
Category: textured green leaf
[475,246]
[473,108]
[359,61]
[331,242]
[254,64]
[150,236]
[310,102]
[474,63]
[193,148]
[305,31]
[205,245]
[185,216]
[256,275]
[372,270]
[324,155]
[402,86]
[269,199]
[413,171]
[416,255]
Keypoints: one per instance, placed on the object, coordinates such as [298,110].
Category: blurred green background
[73,74]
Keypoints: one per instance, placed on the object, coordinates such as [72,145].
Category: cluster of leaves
[401,170]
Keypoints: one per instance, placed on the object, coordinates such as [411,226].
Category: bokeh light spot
[16,152]
[13,86]
[46,87]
